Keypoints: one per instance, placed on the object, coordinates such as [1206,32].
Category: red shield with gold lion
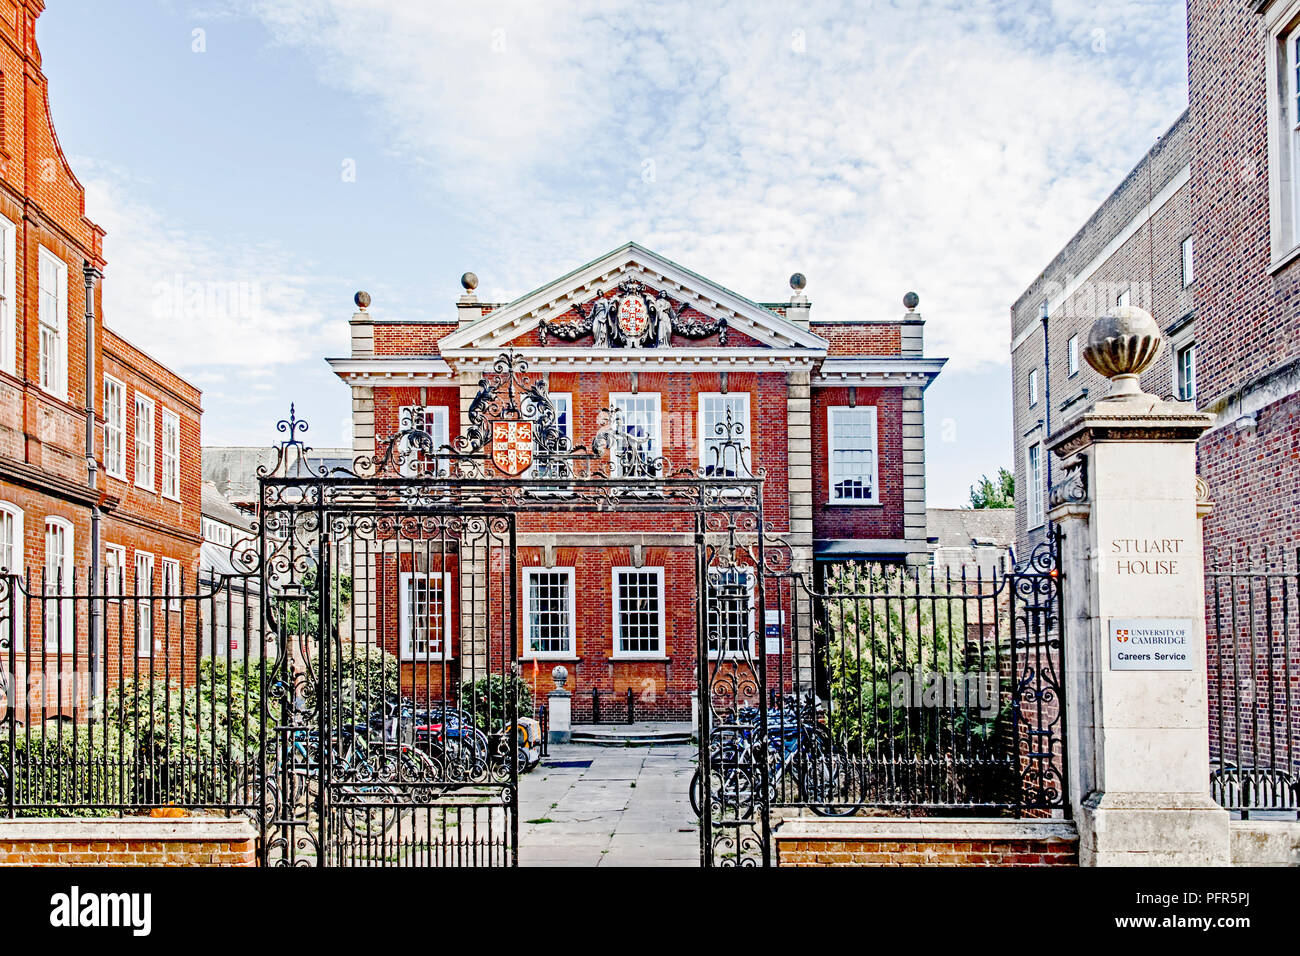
[512,446]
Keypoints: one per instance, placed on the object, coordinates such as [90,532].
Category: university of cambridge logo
[1121,634]
[512,446]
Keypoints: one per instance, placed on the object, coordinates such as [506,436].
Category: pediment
[632,299]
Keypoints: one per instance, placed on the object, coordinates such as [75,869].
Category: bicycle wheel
[835,781]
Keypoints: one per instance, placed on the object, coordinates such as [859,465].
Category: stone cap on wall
[187,829]
[937,829]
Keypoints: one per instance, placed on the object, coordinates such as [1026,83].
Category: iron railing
[120,702]
[905,690]
[1253,658]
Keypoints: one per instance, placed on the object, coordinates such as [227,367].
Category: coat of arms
[633,317]
[512,446]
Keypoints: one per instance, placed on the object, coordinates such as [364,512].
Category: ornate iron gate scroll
[391,705]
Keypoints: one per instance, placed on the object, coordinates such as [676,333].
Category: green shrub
[488,700]
[361,677]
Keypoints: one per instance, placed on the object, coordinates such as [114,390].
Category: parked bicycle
[800,755]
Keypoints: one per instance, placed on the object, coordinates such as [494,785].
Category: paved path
[630,807]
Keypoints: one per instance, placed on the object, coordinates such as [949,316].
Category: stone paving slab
[629,808]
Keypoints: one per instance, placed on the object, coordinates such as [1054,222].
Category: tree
[987,493]
[303,617]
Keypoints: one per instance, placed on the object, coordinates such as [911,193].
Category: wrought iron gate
[876,687]
[393,707]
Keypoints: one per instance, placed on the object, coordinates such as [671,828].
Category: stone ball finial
[362,299]
[469,281]
[1121,345]
[798,281]
[911,300]
[560,674]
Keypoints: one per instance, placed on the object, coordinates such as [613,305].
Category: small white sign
[772,624]
[1151,644]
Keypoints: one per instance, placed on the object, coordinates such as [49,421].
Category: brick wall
[112,842]
[1248,314]
[1249,319]
[860,521]
[860,338]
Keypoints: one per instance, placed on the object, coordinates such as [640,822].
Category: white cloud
[208,306]
[949,148]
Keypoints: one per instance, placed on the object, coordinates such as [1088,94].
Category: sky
[255,162]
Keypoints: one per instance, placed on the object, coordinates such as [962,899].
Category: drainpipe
[92,478]
[1047,418]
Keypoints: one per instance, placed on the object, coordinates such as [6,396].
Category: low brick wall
[145,841]
[866,841]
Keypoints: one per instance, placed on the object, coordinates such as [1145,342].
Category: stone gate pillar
[1134,616]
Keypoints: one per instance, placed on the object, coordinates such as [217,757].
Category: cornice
[1143,419]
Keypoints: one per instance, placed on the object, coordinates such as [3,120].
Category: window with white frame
[12,560]
[563,404]
[1189,265]
[143,585]
[731,614]
[853,461]
[171,583]
[11,538]
[52,311]
[1031,387]
[641,422]
[171,455]
[549,605]
[1072,355]
[425,615]
[114,574]
[1034,473]
[144,443]
[1123,298]
[115,427]
[8,296]
[1185,370]
[638,612]
[60,620]
[1289,145]
[216,532]
[434,421]
[724,434]
[1281,20]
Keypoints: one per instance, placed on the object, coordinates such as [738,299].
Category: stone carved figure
[663,321]
[600,324]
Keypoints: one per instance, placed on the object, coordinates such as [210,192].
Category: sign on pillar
[1135,660]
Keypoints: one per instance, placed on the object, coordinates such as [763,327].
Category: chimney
[913,337]
[362,327]
[798,308]
[468,309]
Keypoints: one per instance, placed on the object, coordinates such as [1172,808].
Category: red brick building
[1245,161]
[831,409]
[99,443]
